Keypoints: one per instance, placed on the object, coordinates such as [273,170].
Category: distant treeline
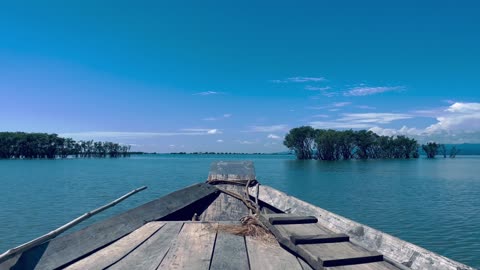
[219,153]
[19,145]
[322,144]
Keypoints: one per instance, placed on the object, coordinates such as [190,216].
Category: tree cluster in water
[42,145]
[310,143]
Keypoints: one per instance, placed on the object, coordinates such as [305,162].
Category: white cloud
[314,88]
[380,118]
[274,137]
[272,128]
[359,120]
[120,134]
[337,125]
[246,142]
[220,141]
[459,123]
[224,116]
[369,90]
[299,80]
[320,116]
[366,107]
[341,104]
[207,93]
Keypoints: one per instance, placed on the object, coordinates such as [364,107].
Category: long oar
[54,233]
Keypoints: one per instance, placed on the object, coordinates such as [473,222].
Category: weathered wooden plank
[230,253]
[319,239]
[226,207]
[193,247]
[66,249]
[365,266]
[232,170]
[397,250]
[275,219]
[336,254]
[149,254]
[270,256]
[304,264]
[117,250]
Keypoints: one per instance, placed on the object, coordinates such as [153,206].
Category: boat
[207,226]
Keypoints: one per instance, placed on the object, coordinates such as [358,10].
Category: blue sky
[217,76]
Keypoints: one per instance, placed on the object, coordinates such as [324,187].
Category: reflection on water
[432,203]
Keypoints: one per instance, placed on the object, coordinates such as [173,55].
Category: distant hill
[466,148]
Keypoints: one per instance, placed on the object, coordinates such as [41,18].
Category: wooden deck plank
[65,249]
[270,256]
[119,249]
[319,238]
[226,207]
[365,266]
[342,253]
[277,219]
[193,247]
[149,254]
[230,253]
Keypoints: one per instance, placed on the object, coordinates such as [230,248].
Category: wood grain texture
[230,253]
[226,207]
[267,256]
[193,247]
[335,254]
[319,238]
[65,249]
[149,254]
[365,266]
[119,249]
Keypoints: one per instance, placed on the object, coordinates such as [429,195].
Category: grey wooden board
[270,256]
[226,207]
[232,170]
[275,219]
[230,253]
[149,254]
[341,253]
[193,247]
[117,250]
[65,249]
[365,266]
[304,264]
[319,238]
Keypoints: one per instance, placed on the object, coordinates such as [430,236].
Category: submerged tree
[335,145]
[454,151]
[442,150]
[431,149]
[300,140]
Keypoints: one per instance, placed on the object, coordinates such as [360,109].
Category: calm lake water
[432,203]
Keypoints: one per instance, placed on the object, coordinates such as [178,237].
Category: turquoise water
[432,203]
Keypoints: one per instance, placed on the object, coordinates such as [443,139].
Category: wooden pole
[54,233]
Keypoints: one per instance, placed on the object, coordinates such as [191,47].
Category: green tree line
[17,145]
[329,144]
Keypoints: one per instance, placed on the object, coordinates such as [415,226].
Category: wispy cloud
[272,128]
[314,88]
[366,107]
[227,115]
[332,107]
[125,135]
[299,79]
[274,137]
[380,118]
[360,120]
[369,90]
[246,142]
[220,141]
[340,104]
[207,93]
